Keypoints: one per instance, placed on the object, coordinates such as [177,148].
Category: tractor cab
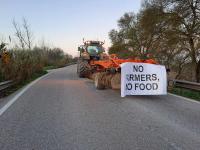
[94,50]
[94,47]
[91,50]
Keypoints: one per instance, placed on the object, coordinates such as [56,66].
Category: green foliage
[186,93]
[168,31]
[2,50]
[25,63]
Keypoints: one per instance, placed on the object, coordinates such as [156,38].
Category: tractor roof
[93,43]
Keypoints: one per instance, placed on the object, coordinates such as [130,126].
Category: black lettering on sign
[148,77]
[137,77]
[147,86]
[136,86]
[137,68]
[154,77]
[131,77]
[155,86]
[143,77]
[128,77]
[129,86]
[142,86]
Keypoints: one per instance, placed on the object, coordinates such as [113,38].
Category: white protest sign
[143,79]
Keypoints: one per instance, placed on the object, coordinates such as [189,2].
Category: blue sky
[64,23]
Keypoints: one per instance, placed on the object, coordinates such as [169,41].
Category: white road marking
[184,98]
[10,102]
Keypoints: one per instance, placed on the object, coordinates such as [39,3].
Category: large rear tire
[83,68]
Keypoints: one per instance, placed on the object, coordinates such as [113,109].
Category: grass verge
[14,88]
[186,93]
[1,77]
[50,67]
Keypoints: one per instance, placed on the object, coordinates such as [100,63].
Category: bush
[25,63]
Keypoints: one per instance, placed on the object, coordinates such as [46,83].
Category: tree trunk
[180,68]
[198,72]
[194,61]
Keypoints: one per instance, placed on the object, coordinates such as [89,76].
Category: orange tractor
[104,69]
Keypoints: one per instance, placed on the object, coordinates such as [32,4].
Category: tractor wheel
[98,81]
[83,68]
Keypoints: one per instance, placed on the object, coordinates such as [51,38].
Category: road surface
[63,112]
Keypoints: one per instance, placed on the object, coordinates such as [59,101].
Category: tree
[139,33]
[169,30]
[124,41]
[23,34]
[184,22]
[19,34]
[28,33]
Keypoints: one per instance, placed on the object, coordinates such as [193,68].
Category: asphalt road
[63,112]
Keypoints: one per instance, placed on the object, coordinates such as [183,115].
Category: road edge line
[184,98]
[11,101]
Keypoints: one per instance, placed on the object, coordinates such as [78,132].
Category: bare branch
[28,33]
[19,34]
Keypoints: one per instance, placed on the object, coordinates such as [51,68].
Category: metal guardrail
[185,84]
[6,84]
[72,63]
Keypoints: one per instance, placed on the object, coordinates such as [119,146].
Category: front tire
[83,68]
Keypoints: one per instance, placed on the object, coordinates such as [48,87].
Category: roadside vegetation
[24,63]
[27,62]
[186,93]
[167,31]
